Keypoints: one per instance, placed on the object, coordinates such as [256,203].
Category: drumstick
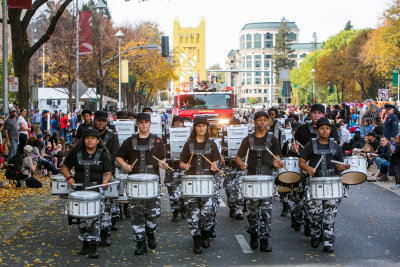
[159,160]
[100,185]
[299,144]
[319,162]
[339,162]
[275,157]
[247,156]
[209,161]
[133,164]
[190,160]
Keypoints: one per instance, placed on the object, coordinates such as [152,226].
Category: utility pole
[5,59]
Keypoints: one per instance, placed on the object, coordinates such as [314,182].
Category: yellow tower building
[189,48]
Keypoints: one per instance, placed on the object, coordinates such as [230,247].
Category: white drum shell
[121,186]
[355,175]
[257,186]
[292,164]
[59,185]
[197,185]
[112,190]
[142,186]
[84,204]
[326,188]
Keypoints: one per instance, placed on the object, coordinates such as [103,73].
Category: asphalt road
[367,234]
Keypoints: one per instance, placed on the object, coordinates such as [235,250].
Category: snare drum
[112,190]
[84,204]
[258,186]
[142,186]
[59,185]
[197,186]
[357,173]
[325,188]
[293,174]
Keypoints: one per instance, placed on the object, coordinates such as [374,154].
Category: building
[257,43]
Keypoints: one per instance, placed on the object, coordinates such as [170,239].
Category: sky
[225,18]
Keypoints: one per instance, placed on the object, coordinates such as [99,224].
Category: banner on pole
[124,71]
[20,4]
[85,33]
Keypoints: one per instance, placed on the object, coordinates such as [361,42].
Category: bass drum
[357,173]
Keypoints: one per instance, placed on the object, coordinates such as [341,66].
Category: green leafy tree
[253,100]
[348,26]
[283,48]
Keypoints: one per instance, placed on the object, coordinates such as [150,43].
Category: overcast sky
[225,18]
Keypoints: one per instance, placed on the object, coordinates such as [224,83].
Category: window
[303,55]
[243,62]
[255,91]
[292,56]
[266,80]
[247,91]
[266,61]
[265,99]
[258,73]
[248,62]
[265,91]
[268,38]
[257,80]
[257,40]
[257,61]
[49,102]
[292,36]
[205,101]
[259,90]
[242,42]
[248,40]
[248,78]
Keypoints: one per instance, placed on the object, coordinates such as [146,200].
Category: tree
[22,50]
[348,26]
[216,66]
[253,100]
[314,41]
[283,48]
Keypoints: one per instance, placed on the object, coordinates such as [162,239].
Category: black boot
[127,212]
[103,238]
[212,233]
[231,213]
[307,230]
[205,239]
[314,242]
[85,248]
[183,213]
[93,250]
[264,245]
[175,215]
[285,209]
[197,248]
[328,249]
[239,216]
[114,226]
[140,247]
[254,241]
[297,227]
[151,240]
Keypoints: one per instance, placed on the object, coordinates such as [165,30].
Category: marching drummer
[172,182]
[323,150]
[193,160]
[111,142]
[92,165]
[261,162]
[304,134]
[136,155]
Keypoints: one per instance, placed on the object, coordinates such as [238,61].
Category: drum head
[283,189]
[353,178]
[289,177]
[296,189]
[84,195]
[64,196]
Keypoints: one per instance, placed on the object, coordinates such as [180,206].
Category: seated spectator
[379,127]
[357,142]
[28,167]
[381,158]
[344,136]
[373,141]
[36,156]
[395,161]
[366,127]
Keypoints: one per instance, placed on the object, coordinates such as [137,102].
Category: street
[367,234]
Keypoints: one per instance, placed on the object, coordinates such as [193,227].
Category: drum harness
[260,169]
[107,137]
[87,163]
[143,168]
[198,153]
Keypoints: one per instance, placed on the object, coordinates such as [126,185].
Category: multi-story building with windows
[257,43]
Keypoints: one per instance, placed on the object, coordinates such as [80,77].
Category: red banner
[20,4]
[85,33]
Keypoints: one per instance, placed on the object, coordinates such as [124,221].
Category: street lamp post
[101,7]
[313,83]
[119,35]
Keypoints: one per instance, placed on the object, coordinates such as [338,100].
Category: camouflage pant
[259,217]
[217,198]
[232,184]
[115,210]
[287,199]
[200,214]
[144,215]
[173,183]
[89,229]
[323,213]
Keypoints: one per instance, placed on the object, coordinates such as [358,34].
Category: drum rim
[365,178]
[200,176]
[325,179]
[253,178]
[95,196]
[143,177]
[55,178]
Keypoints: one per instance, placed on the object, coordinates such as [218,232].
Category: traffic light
[279,100]
[314,100]
[98,86]
[287,89]
[165,46]
[331,90]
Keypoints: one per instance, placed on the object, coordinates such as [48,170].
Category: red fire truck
[216,106]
